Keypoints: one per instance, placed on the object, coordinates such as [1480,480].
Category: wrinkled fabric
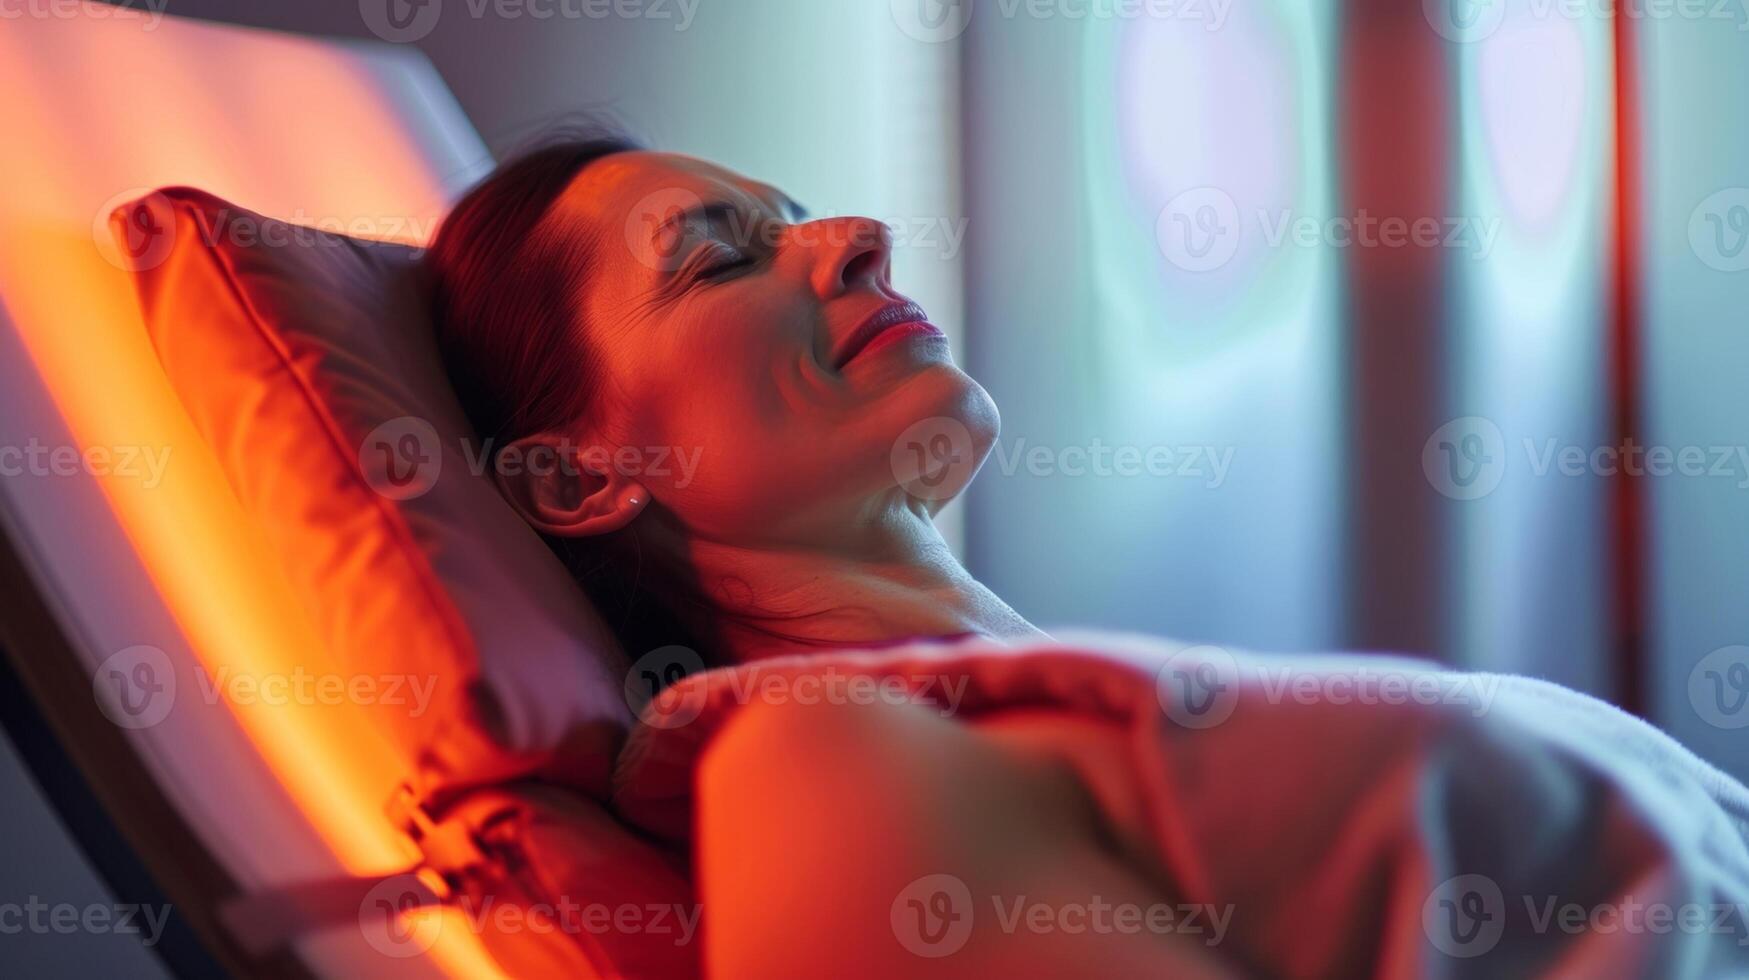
[1354,815]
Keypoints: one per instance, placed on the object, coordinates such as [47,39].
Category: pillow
[306,360]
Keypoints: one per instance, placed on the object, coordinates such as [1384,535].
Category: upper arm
[883,840]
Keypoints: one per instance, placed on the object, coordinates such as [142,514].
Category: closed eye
[725,260]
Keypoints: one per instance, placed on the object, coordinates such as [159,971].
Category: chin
[981,417]
[937,433]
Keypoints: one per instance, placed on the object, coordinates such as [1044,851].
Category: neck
[898,582]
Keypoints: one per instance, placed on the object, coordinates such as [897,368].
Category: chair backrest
[113,504]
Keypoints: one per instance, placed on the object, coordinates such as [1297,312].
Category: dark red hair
[505,288]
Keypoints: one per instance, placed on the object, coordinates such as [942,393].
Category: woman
[605,306]
[606,311]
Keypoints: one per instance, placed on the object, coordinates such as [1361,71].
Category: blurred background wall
[1309,320]
[1126,303]
[1694,219]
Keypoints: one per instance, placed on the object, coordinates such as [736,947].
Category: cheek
[726,372]
[728,431]
[740,450]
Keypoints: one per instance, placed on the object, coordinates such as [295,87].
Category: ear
[566,491]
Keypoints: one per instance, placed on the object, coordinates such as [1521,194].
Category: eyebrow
[710,210]
[713,209]
[785,203]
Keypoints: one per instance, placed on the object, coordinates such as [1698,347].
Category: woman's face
[763,380]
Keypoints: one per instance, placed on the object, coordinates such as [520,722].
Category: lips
[887,324]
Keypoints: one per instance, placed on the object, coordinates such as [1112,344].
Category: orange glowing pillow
[306,360]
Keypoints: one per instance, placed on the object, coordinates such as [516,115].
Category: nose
[848,253]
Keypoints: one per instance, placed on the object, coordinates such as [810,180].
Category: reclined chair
[193,530]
